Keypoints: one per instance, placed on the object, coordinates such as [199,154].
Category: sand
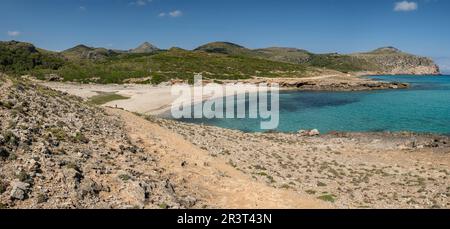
[143,99]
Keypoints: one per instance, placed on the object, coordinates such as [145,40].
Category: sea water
[424,107]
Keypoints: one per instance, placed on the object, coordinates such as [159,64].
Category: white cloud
[406,6]
[140,2]
[82,8]
[176,13]
[14,33]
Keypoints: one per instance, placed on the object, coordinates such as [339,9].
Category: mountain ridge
[220,60]
[384,60]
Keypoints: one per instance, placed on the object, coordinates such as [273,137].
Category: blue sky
[416,26]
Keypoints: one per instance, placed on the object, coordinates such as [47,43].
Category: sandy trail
[211,179]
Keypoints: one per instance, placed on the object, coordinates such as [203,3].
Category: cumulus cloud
[175,13]
[406,6]
[13,33]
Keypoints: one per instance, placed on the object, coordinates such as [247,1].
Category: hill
[20,57]
[385,60]
[217,61]
[80,52]
[225,48]
[290,55]
[389,60]
[175,64]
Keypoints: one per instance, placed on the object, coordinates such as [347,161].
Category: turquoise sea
[425,107]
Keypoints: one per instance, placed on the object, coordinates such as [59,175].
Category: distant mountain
[385,60]
[225,48]
[85,52]
[145,48]
[218,60]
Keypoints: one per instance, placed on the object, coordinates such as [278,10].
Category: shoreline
[157,99]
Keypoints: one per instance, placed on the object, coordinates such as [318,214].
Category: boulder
[19,190]
[90,187]
[314,132]
[54,78]
[310,133]
[135,193]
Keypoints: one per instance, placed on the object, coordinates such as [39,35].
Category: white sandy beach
[143,99]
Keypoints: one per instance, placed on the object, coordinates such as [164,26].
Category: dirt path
[210,179]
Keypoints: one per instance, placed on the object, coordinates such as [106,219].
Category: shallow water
[422,108]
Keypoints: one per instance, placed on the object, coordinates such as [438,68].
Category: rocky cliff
[391,61]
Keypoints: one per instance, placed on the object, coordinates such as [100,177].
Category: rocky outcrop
[333,83]
[391,61]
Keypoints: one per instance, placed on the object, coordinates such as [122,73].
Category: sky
[417,26]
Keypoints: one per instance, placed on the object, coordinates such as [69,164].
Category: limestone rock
[19,190]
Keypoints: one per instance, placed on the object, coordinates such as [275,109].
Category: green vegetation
[79,137]
[20,58]
[58,133]
[72,165]
[3,187]
[42,198]
[124,177]
[342,63]
[23,176]
[225,48]
[163,206]
[4,152]
[328,198]
[174,64]
[216,61]
[84,52]
[104,98]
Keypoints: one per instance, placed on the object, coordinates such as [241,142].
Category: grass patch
[328,198]
[124,177]
[104,98]
[58,133]
[80,138]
